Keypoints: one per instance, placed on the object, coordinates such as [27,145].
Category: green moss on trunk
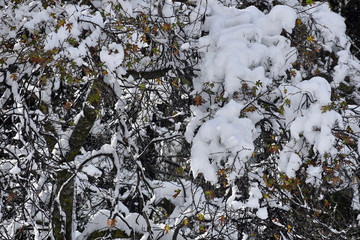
[80,133]
[115,233]
[62,228]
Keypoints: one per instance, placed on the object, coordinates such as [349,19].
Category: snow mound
[246,46]
[226,133]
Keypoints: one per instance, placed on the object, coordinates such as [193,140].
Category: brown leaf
[198,100]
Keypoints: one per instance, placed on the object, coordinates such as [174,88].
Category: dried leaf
[198,100]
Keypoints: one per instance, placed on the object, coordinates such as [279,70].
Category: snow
[331,25]
[97,221]
[197,116]
[355,205]
[280,17]
[314,175]
[315,126]
[308,121]
[239,44]
[289,162]
[226,132]
[79,19]
[112,56]
[15,170]
[36,19]
[240,50]
[92,171]
[313,123]
[347,66]
[262,213]
[237,50]
[185,46]
[246,47]
[168,11]
[317,87]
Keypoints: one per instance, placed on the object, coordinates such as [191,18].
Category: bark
[65,181]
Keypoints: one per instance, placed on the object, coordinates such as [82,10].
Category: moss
[76,141]
[110,234]
[66,202]
[50,139]
[343,212]
[148,75]
[346,89]
[168,206]
[81,131]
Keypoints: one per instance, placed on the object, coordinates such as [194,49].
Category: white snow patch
[91,170]
[15,170]
[314,175]
[262,213]
[112,56]
[225,133]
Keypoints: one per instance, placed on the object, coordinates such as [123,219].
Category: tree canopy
[172,119]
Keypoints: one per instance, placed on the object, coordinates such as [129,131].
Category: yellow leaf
[166,229]
[250,109]
[210,194]
[299,22]
[177,192]
[200,217]
[311,39]
[13,76]
[326,203]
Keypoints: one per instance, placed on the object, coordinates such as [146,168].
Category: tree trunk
[62,220]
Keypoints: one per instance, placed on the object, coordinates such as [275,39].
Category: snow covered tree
[177,120]
[350,10]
